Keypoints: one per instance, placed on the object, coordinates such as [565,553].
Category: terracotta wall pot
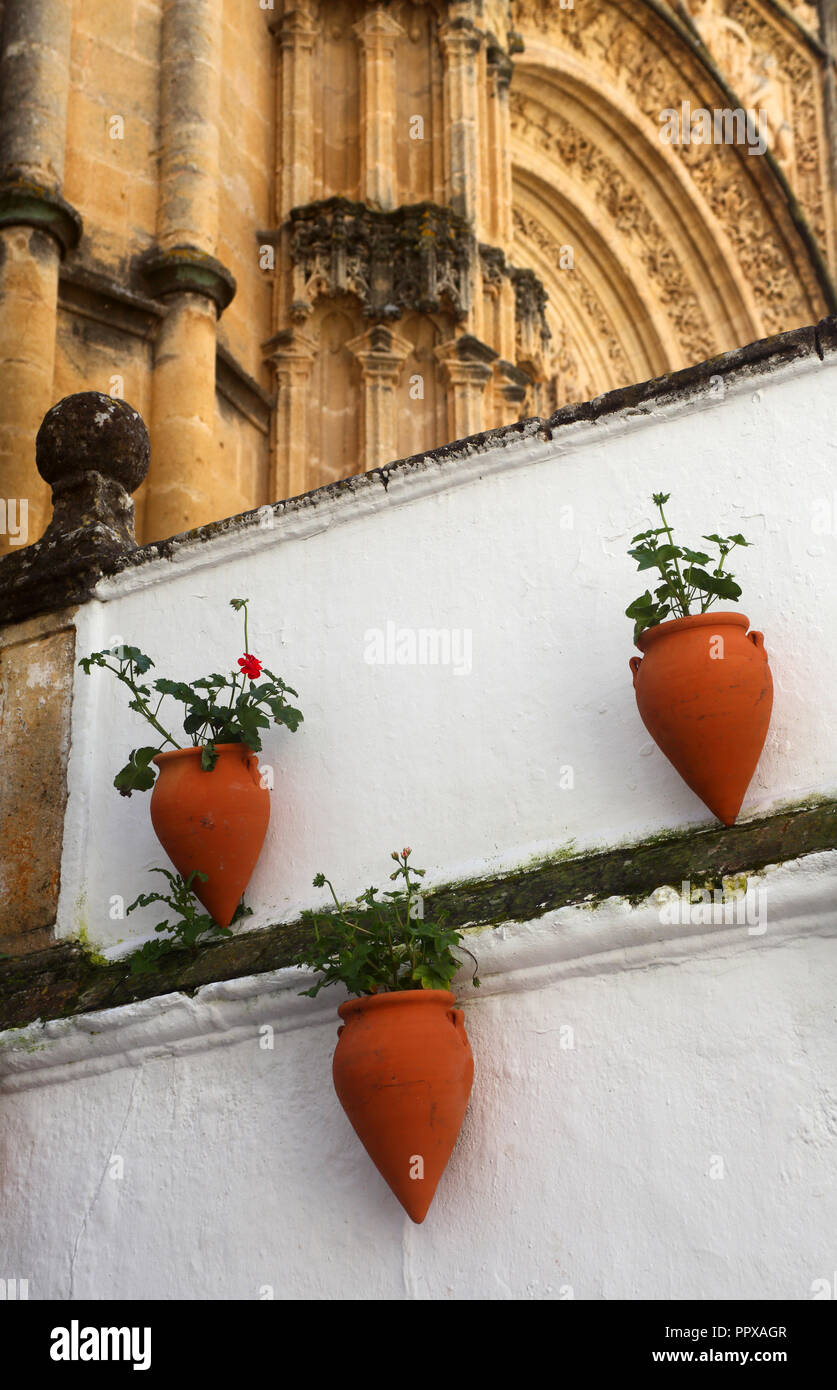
[212,821]
[403,1071]
[705,694]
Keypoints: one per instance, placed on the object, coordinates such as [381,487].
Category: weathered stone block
[36,680]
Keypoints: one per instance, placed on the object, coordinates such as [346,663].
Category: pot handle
[635,663]
[340,1029]
[457,1018]
[757,639]
[253,768]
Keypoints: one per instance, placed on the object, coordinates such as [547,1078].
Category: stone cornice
[678,19]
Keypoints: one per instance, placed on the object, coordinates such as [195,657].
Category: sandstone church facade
[305,238]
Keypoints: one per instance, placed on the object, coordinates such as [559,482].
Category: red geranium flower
[250,665]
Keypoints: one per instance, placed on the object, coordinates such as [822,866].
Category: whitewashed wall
[524,547]
[654,1111]
[683,1146]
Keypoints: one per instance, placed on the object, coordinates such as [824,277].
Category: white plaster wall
[466,768]
[581,1171]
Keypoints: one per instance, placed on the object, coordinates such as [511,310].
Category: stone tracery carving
[631,218]
[613,37]
[623,66]
[414,258]
[572,382]
[776,75]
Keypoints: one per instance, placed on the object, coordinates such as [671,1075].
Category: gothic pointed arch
[679,250]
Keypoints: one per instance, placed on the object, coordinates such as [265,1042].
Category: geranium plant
[685,586]
[188,927]
[218,708]
[380,944]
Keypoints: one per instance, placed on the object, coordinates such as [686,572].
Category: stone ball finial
[92,432]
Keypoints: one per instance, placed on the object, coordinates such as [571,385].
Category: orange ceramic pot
[705,693]
[403,1072]
[212,821]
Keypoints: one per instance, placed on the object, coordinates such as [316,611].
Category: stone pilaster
[467,364]
[36,228]
[461,43]
[296,32]
[378,34]
[498,182]
[381,354]
[292,354]
[511,393]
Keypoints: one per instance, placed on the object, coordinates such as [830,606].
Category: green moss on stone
[72,977]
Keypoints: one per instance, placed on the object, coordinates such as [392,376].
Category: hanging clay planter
[403,1072]
[705,693]
[214,822]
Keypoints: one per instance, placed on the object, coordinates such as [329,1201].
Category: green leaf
[723,585]
[373,945]
[136,775]
[94,659]
[148,956]
[644,535]
[209,756]
[658,558]
[213,682]
[179,689]
[641,605]
[187,927]
[290,717]
[141,662]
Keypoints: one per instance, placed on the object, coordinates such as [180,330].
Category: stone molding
[185,269]
[27,204]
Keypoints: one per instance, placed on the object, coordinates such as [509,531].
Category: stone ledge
[65,979]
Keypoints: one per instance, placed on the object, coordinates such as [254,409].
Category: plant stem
[146,712]
[683,601]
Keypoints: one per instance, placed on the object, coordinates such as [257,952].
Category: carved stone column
[381,354]
[37,227]
[186,486]
[296,32]
[461,43]
[292,354]
[468,367]
[378,34]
